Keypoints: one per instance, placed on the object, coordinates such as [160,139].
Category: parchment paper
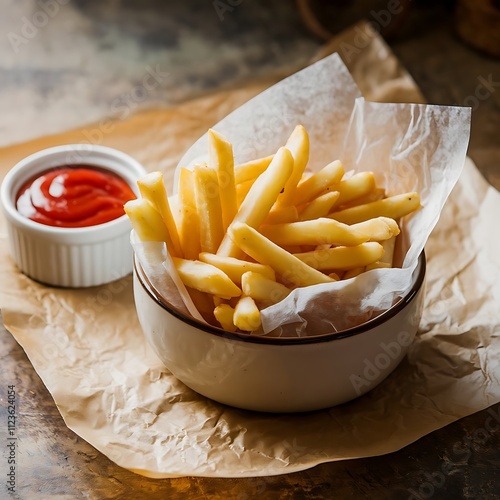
[111,390]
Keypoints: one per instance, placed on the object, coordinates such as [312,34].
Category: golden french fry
[235,268]
[190,233]
[186,187]
[250,170]
[218,301]
[261,288]
[320,206]
[278,215]
[221,159]
[224,315]
[343,258]
[378,265]
[146,220]
[352,273]
[263,250]
[246,315]
[389,246]
[293,248]
[318,182]
[152,188]
[394,207]
[314,232]
[175,207]
[189,227]
[260,198]
[205,278]
[378,229]
[375,195]
[298,145]
[209,208]
[305,176]
[355,187]
[242,191]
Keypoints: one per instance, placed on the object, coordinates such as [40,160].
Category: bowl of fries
[242,240]
[278,375]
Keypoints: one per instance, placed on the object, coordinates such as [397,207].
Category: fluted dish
[62,256]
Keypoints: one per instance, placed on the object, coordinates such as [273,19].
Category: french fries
[206,278]
[263,250]
[189,230]
[263,289]
[378,228]
[249,171]
[209,207]
[261,197]
[320,206]
[343,258]
[315,232]
[246,315]
[236,268]
[220,158]
[152,188]
[357,186]
[298,145]
[395,207]
[146,221]
[224,314]
[282,214]
[319,182]
[248,235]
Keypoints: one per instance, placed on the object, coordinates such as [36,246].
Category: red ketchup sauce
[76,196]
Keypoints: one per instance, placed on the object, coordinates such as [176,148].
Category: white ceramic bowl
[70,257]
[279,375]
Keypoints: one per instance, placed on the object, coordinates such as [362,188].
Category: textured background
[87,59]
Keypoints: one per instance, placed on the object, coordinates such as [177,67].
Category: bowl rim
[263,339]
[131,168]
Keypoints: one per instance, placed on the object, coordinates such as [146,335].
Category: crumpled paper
[409,147]
[110,388]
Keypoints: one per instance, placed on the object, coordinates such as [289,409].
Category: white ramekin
[70,257]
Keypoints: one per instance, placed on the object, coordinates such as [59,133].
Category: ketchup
[76,196]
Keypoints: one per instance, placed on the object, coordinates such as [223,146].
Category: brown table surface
[70,71]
